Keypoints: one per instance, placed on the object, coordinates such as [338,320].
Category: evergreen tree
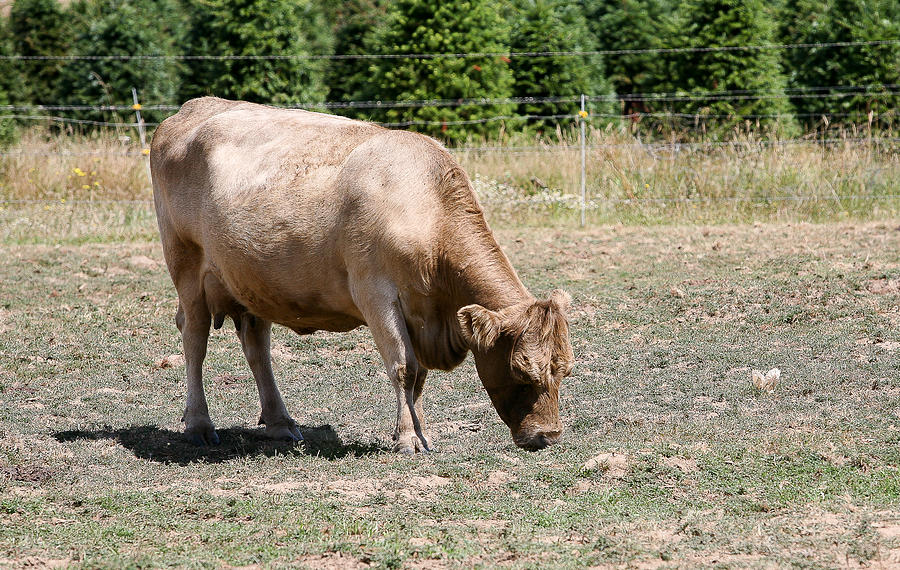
[354,20]
[633,25]
[455,26]
[551,26]
[37,28]
[120,27]
[10,80]
[258,28]
[828,72]
[756,74]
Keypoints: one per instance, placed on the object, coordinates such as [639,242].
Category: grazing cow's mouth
[537,439]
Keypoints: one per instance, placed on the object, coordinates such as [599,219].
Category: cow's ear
[561,300]
[480,326]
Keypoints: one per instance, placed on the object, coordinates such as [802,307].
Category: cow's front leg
[410,434]
[255,335]
[379,304]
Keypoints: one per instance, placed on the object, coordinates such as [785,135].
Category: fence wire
[812,92]
[460,55]
[650,146]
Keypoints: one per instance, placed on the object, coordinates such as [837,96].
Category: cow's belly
[302,294]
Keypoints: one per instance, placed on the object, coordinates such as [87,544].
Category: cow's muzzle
[537,439]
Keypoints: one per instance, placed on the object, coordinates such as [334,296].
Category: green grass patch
[670,457]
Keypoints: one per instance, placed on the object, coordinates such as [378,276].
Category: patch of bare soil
[499,478]
[36,563]
[26,473]
[884,286]
[888,531]
[613,465]
[354,488]
[331,561]
[683,464]
[142,262]
[288,486]
[429,482]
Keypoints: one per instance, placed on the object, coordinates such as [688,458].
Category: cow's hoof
[412,446]
[284,433]
[202,436]
[404,449]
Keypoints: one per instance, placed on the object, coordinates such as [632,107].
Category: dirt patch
[487,525]
[331,561]
[231,379]
[613,465]
[499,477]
[884,286]
[142,262]
[354,488]
[888,530]
[36,562]
[683,464]
[287,486]
[26,473]
[429,482]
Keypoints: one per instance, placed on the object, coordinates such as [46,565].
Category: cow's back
[287,206]
[227,165]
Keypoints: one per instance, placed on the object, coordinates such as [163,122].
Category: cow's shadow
[167,446]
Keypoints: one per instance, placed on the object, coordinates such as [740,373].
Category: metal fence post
[140,121]
[583,116]
[142,131]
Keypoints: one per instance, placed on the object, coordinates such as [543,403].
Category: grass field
[520,180]
[671,458]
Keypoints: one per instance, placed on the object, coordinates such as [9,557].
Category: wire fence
[890,143]
[663,106]
[883,116]
[462,55]
[817,92]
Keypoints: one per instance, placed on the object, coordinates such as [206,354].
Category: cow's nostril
[549,437]
[538,439]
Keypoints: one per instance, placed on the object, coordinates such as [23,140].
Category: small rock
[142,262]
[171,361]
[765,382]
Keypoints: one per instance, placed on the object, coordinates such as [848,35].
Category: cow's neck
[480,273]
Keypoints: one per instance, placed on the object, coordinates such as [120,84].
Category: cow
[318,222]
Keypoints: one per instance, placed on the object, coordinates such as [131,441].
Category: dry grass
[96,167]
[671,458]
[748,179]
[539,180]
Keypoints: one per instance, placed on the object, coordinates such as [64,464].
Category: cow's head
[522,353]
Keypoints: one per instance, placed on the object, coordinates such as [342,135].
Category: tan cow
[318,222]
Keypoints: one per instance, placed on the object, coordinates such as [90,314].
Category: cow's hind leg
[255,335]
[193,321]
[380,307]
